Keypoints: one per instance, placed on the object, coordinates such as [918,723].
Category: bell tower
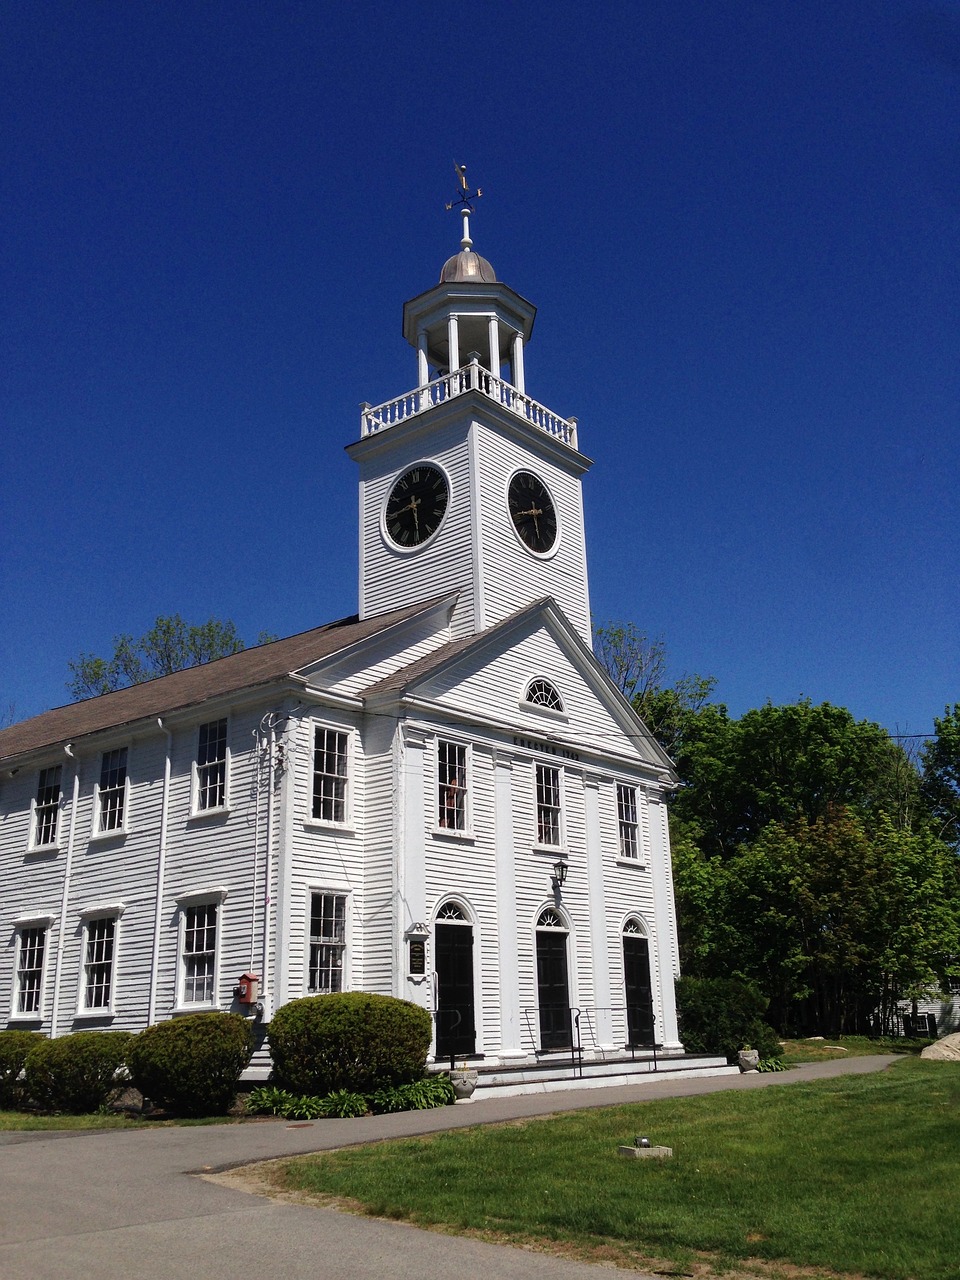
[467,484]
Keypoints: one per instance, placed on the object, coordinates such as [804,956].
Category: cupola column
[453,339]
[494,330]
[423,368]
[516,363]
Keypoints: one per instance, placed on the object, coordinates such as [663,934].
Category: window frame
[23,926]
[348,734]
[635,825]
[100,792]
[186,904]
[542,767]
[465,830]
[36,807]
[321,942]
[90,917]
[198,810]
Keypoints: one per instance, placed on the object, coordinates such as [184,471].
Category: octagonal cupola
[468,314]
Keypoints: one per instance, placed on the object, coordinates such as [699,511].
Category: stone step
[547,1077]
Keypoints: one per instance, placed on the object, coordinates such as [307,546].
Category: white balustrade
[471,377]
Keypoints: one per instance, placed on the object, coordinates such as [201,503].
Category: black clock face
[532,511]
[416,505]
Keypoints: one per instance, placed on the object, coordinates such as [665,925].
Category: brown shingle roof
[195,685]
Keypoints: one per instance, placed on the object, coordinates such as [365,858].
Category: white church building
[442,798]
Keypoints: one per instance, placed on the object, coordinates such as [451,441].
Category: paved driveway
[122,1204]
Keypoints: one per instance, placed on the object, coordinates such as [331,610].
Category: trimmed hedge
[348,1040]
[14,1047]
[191,1065]
[76,1073]
[722,1015]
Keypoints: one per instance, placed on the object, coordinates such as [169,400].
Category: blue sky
[738,221]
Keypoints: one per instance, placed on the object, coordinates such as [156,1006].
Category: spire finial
[463,203]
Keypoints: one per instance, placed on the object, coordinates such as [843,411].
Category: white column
[517,362]
[598,914]
[507,909]
[453,339]
[665,922]
[423,369]
[412,880]
[493,329]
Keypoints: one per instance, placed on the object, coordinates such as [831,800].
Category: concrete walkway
[120,1204]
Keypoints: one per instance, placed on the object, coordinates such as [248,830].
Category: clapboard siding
[392,578]
[513,577]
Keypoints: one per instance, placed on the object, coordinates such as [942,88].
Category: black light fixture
[559,873]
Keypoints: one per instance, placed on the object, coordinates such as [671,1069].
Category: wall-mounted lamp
[559,873]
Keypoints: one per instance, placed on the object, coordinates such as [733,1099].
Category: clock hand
[534,511]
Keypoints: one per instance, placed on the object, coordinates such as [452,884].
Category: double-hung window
[198,956]
[330,776]
[211,775]
[99,950]
[628,821]
[548,805]
[112,792]
[31,952]
[452,786]
[46,813]
[327,942]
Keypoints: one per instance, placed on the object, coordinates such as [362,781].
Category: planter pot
[464,1082]
[748,1059]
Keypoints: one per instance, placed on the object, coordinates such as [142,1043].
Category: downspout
[161,877]
[67,871]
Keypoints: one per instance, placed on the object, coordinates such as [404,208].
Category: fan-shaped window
[550,919]
[634,927]
[452,911]
[543,694]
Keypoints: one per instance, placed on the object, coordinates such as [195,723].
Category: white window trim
[539,708]
[51,846]
[327,824]
[345,973]
[198,898]
[538,847]
[464,833]
[124,829]
[110,911]
[642,860]
[217,810]
[44,922]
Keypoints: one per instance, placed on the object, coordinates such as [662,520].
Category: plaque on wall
[418,956]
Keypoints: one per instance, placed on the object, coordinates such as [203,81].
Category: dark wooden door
[553,991]
[456,1023]
[636,972]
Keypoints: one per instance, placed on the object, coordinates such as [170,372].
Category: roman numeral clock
[468,484]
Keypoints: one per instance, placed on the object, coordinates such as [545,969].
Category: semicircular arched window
[634,927]
[544,694]
[452,911]
[550,919]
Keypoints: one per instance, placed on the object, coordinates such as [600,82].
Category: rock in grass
[947,1049]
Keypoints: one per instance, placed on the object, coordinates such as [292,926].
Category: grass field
[858,1175]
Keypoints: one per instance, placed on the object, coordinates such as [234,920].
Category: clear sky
[738,220]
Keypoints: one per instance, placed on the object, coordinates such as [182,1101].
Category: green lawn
[795,1051]
[859,1174]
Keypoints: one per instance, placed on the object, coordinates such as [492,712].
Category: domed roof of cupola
[467,267]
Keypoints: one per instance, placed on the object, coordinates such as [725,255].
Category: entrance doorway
[553,987]
[639,989]
[453,961]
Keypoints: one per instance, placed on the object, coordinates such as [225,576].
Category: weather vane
[463,203]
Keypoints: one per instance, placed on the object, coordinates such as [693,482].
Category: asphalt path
[116,1205]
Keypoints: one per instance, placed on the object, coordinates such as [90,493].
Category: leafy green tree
[170,645]
[940,759]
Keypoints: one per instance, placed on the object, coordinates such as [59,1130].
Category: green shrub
[421,1095]
[348,1040]
[76,1073]
[14,1047]
[191,1065]
[722,1015]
